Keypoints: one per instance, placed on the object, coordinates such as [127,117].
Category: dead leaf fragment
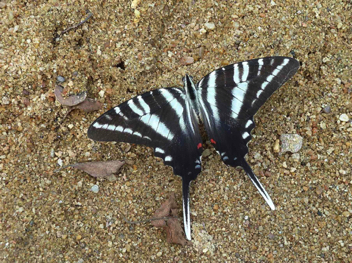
[174,232]
[89,105]
[173,228]
[71,100]
[164,211]
[187,60]
[99,169]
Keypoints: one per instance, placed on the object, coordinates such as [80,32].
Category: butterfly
[225,101]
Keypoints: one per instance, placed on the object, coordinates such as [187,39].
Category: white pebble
[95,188]
[344,117]
[210,26]
[135,3]
[5,101]
[291,143]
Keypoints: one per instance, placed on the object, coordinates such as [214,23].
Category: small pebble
[187,60]
[60,79]
[5,100]
[277,146]
[201,52]
[135,3]
[206,153]
[137,13]
[327,109]
[296,157]
[271,236]
[95,188]
[346,214]
[319,190]
[216,207]
[344,117]
[257,156]
[210,26]
[291,143]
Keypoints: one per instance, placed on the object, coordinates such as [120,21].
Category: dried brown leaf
[99,169]
[89,105]
[174,232]
[71,100]
[164,211]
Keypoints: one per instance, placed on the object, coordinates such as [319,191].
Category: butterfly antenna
[257,184]
[186,212]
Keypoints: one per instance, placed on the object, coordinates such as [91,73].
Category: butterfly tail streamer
[257,184]
[186,211]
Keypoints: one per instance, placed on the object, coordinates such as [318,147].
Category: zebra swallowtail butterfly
[225,101]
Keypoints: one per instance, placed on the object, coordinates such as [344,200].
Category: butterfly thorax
[191,94]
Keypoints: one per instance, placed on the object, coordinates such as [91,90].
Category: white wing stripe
[176,106]
[245,135]
[128,130]
[167,95]
[137,134]
[238,94]
[119,128]
[235,104]
[211,94]
[243,86]
[264,84]
[143,104]
[182,121]
[270,78]
[159,150]
[134,108]
[117,110]
[236,73]
[154,122]
[260,63]
[111,127]
[162,129]
[248,123]
[97,125]
[245,71]
[159,127]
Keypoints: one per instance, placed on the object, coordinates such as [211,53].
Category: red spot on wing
[212,141]
[199,146]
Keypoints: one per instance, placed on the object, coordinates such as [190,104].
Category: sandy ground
[55,217]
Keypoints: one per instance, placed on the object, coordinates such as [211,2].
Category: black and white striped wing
[161,119]
[230,97]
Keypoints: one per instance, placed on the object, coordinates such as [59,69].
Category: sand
[119,52]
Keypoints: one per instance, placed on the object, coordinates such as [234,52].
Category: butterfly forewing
[158,119]
[139,120]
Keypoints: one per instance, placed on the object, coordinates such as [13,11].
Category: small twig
[63,167]
[75,26]
[148,220]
